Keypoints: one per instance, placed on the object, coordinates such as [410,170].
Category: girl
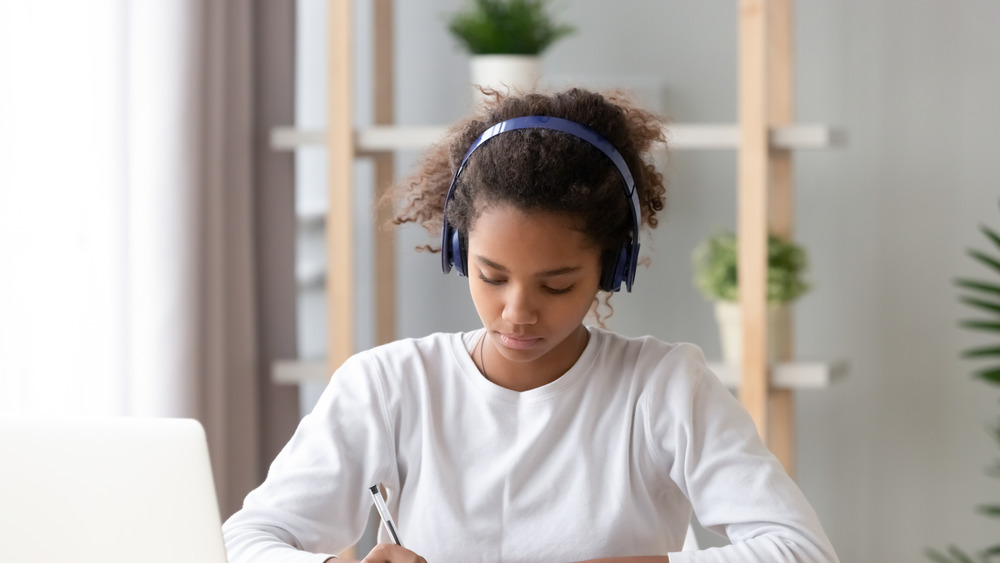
[536,437]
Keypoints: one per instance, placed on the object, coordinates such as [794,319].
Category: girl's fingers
[392,553]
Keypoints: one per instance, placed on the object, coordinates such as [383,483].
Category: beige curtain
[192,321]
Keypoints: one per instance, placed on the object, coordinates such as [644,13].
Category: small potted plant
[506,39]
[983,296]
[716,276]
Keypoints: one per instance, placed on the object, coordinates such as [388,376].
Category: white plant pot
[505,73]
[730,319]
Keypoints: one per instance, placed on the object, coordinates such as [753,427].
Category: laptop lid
[108,491]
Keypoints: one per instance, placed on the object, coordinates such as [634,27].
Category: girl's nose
[518,308]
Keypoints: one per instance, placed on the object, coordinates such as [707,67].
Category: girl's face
[533,278]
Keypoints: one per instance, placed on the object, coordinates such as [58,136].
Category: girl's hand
[637,559]
[392,553]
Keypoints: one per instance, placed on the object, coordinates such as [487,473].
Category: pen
[383,512]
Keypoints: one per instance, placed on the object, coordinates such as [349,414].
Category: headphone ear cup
[615,271]
[458,252]
[447,262]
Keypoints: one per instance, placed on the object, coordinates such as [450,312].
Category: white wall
[893,457]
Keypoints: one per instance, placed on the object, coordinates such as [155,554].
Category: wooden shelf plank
[788,375]
[381,139]
[310,275]
[294,372]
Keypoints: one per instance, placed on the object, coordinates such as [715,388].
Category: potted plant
[716,276]
[506,39]
[984,297]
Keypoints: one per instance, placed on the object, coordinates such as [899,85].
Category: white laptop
[107,491]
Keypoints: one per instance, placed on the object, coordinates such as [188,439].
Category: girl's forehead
[505,234]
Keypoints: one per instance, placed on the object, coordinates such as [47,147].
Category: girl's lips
[518,342]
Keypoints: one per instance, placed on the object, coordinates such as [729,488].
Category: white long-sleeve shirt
[608,460]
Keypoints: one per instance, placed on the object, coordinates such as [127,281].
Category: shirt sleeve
[315,500]
[736,487]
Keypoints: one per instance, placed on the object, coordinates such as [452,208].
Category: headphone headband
[452,252]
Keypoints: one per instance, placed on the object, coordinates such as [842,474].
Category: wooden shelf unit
[764,138]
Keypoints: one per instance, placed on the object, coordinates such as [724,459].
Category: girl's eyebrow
[546,274]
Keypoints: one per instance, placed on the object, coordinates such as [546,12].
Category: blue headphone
[453,251]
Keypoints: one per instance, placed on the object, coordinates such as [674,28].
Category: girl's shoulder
[671,384]
[646,350]
[435,348]
[651,362]
[402,368]
[414,358]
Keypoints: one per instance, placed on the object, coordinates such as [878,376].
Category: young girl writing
[535,438]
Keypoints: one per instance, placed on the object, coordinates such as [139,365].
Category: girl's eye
[490,281]
[549,290]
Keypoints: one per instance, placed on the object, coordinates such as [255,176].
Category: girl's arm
[315,500]
[706,440]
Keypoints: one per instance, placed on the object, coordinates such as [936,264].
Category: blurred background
[158,254]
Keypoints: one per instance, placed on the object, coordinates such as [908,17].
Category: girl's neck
[524,376]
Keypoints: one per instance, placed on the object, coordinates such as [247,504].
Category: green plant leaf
[715,262]
[519,27]
[980,325]
[978,285]
[988,306]
[991,375]
[983,352]
[936,556]
[991,234]
[991,510]
[959,555]
[955,555]
[989,552]
[985,259]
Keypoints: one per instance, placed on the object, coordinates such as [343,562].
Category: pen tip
[374,489]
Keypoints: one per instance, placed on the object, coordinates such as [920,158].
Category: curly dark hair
[540,169]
